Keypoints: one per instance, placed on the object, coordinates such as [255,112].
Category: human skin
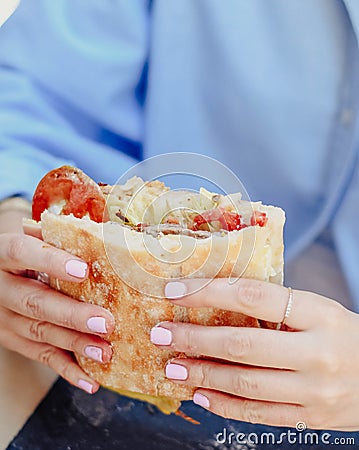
[39,322]
[309,374]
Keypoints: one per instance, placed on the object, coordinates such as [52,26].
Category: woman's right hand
[41,323]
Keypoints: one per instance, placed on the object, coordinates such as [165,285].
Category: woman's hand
[280,378]
[41,323]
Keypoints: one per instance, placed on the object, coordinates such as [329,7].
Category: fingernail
[94,353]
[85,386]
[161,336]
[175,290]
[97,324]
[201,400]
[176,372]
[76,268]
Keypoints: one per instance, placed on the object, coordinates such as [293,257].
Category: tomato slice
[80,194]
[218,218]
[259,218]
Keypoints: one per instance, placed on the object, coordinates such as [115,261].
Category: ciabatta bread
[111,249]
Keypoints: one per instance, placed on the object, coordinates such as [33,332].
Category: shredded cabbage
[153,203]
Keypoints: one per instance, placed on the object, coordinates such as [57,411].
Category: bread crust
[111,249]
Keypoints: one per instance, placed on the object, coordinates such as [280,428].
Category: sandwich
[135,238]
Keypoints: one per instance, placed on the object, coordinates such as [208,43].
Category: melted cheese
[165,404]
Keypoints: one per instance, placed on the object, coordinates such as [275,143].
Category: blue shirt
[268,87]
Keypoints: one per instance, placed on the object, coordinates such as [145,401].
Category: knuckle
[225,409]
[244,383]
[329,395]
[50,258]
[52,357]
[249,294]
[76,343]
[188,340]
[329,363]
[237,346]
[204,375]
[32,302]
[70,316]
[250,412]
[38,331]
[244,410]
[15,248]
[47,356]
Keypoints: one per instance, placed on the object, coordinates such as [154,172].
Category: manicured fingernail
[85,386]
[175,290]
[94,353]
[97,324]
[161,336]
[176,372]
[76,268]
[201,400]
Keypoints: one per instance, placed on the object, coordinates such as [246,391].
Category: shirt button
[347,116]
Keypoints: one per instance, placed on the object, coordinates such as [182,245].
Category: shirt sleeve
[71,90]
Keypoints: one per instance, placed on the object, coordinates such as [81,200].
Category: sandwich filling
[147,207]
[151,207]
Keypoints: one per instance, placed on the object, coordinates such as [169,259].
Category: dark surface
[69,419]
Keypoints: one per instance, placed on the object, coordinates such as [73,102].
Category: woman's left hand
[280,378]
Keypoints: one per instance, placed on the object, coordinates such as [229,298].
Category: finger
[90,346]
[32,228]
[265,301]
[254,346]
[253,411]
[33,299]
[260,384]
[19,251]
[58,360]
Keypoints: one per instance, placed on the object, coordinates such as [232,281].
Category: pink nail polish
[175,290]
[97,324]
[85,386]
[76,268]
[161,336]
[176,372]
[94,353]
[201,400]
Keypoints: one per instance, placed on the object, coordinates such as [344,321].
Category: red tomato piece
[259,218]
[81,195]
[229,221]
[141,226]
